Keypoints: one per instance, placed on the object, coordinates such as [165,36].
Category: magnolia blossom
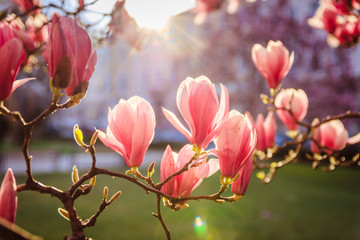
[199,105]
[235,143]
[338,19]
[12,52]
[240,185]
[292,100]
[69,53]
[331,136]
[8,198]
[186,182]
[325,18]
[131,126]
[265,130]
[273,62]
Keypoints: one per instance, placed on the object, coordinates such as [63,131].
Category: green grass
[299,204]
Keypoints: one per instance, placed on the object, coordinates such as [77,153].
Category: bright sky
[151,14]
[154,14]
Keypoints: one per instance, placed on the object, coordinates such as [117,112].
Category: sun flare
[154,14]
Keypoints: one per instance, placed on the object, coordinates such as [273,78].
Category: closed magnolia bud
[92,181]
[105,193]
[64,213]
[292,100]
[68,42]
[115,196]
[75,175]
[78,136]
[8,197]
[273,62]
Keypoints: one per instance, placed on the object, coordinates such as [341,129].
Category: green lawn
[299,204]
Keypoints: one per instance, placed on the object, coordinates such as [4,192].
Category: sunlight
[154,14]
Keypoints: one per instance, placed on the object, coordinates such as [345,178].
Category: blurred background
[147,49]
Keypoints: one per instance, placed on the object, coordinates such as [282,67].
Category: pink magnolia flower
[131,126]
[240,185]
[294,100]
[331,135]
[265,130]
[186,182]
[199,105]
[68,39]
[273,62]
[11,50]
[326,17]
[8,198]
[235,143]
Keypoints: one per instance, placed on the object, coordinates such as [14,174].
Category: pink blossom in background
[294,100]
[344,6]
[11,49]
[26,5]
[346,31]
[265,130]
[235,143]
[33,33]
[199,106]
[332,135]
[240,185]
[273,62]
[67,38]
[203,7]
[131,127]
[186,182]
[8,197]
[325,18]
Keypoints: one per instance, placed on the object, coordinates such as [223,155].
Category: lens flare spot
[200,227]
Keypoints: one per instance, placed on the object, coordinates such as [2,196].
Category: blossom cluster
[206,118]
[340,18]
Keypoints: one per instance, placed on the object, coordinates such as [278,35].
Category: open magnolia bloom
[273,62]
[199,106]
[235,143]
[131,127]
[8,198]
[331,136]
[183,184]
[294,101]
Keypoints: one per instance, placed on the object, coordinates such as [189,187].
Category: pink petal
[20,82]
[182,101]
[141,138]
[224,105]
[177,124]
[12,52]
[110,141]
